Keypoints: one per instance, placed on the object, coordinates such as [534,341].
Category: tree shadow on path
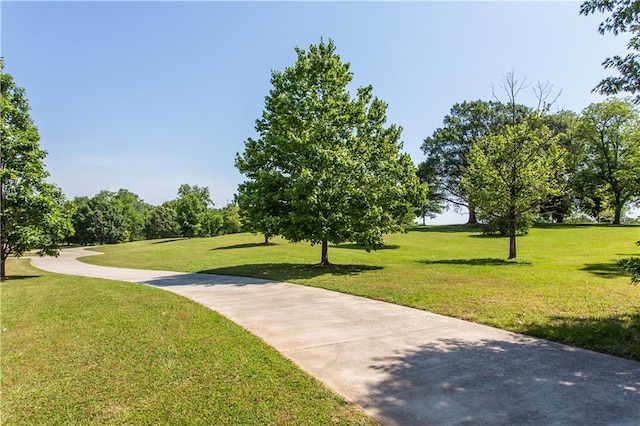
[522,381]
[290,271]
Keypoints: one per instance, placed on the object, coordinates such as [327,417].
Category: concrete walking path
[404,366]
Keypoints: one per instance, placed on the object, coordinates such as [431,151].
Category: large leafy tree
[99,220]
[514,167]
[231,216]
[33,212]
[259,202]
[135,212]
[610,131]
[433,203]
[557,206]
[325,167]
[447,149]
[107,221]
[210,223]
[511,171]
[81,220]
[107,218]
[162,222]
[191,206]
[624,18]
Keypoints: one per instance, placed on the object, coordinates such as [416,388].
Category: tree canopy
[514,167]
[433,203]
[624,18]
[162,222]
[511,172]
[192,205]
[115,217]
[108,218]
[557,206]
[447,149]
[325,167]
[135,212]
[33,212]
[610,131]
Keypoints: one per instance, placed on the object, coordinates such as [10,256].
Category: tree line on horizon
[593,172]
[122,216]
[327,168]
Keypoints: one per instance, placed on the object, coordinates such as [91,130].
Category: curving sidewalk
[404,366]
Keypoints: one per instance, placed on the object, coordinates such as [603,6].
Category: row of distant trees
[585,165]
[115,217]
[507,162]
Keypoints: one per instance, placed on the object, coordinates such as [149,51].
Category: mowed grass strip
[565,286]
[88,351]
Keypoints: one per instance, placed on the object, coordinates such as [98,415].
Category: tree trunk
[266,239]
[512,237]
[3,257]
[472,216]
[424,221]
[558,217]
[325,254]
[617,215]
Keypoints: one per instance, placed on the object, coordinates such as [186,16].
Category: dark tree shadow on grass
[495,236]
[244,245]
[476,262]
[21,277]
[359,247]
[604,270]
[617,335]
[290,271]
[516,381]
[583,225]
[168,241]
[568,225]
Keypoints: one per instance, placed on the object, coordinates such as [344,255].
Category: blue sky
[149,95]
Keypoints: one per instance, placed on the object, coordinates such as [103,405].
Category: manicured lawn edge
[87,351]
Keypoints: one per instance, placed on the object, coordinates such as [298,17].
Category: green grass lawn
[79,351]
[565,286]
